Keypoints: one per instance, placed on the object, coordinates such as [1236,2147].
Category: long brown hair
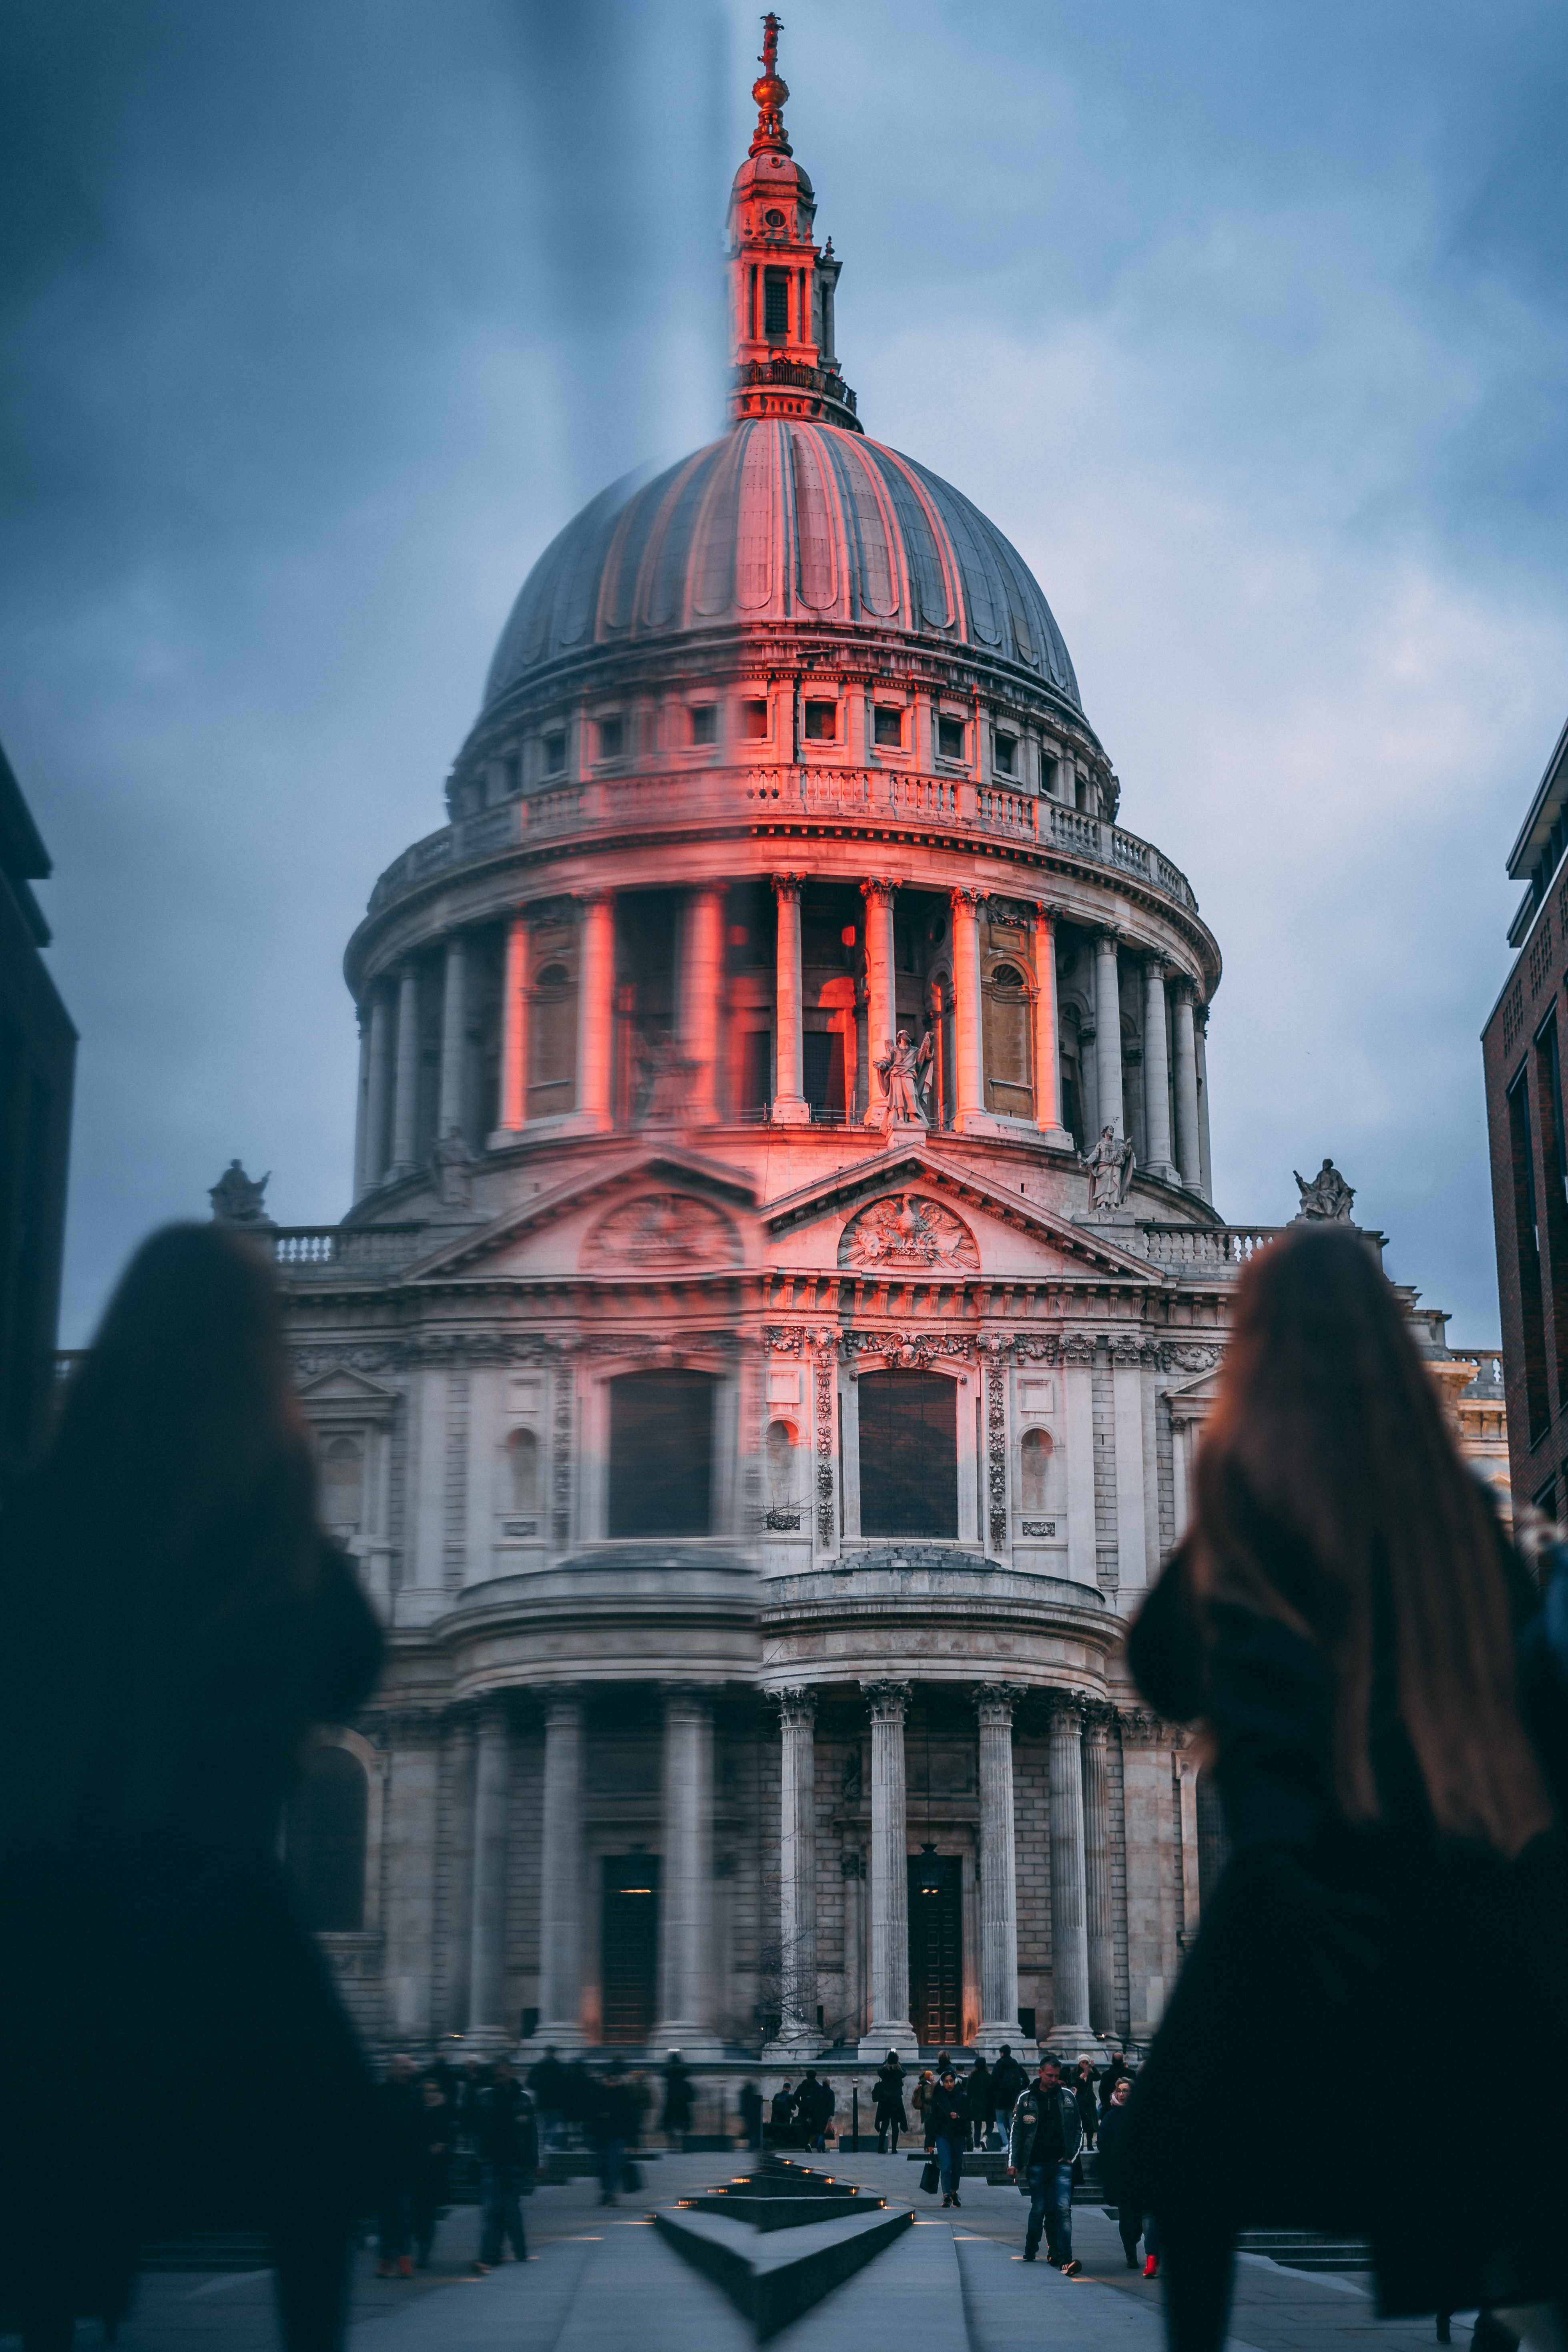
[1332,1495]
[178,1493]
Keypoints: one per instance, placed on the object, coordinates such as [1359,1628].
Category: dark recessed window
[705,723]
[949,738]
[611,734]
[775,303]
[555,752]
[1007,975]
[889,726]
[821,722]
[661,1453]
[774,217]
[1007,752]
[754,721]
[325,1839]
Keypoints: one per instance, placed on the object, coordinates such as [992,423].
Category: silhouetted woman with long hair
[1384,1710]
[173,1622]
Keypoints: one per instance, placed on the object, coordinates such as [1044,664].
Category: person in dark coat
[1116,2069]
[1008,2083]
[1041,2149]
[432,2172]
[547,2089]
[616,2116]
[1348,1620]
[403,2142]
[677,2101]
[173,1623]
[980,2101]
[815,2106]
[947,2128]
[752,2112]
[781,2116]
[506,2141]
[1116,2173]
[887,2108]
[1087,2104]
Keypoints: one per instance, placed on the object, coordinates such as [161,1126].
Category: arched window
[783,1440]
[324,1840]
[522,1470]
[1009,1080]
[342,1485]
[661,1453]
[1214,1838]
[1036,1461]
[552,1041]
[909,1455]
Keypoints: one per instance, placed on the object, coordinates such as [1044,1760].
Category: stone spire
[782,284]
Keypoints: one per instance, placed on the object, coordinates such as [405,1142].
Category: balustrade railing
[1221,1248]
[310,1249]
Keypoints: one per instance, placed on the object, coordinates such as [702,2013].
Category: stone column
[1048,1045]
[889,2027]
[701,997]
[409,1844]
[362,1096]
[460,1868]
[968,1054]
[454,1039]
[797,1871]
[999,1876]
[789,1101]
[1187,1154]
[514,1029]
[487,1978]
[1156,1071]
[596,1009]
[881,1016]
[405,1101]
[1097,1873]
[686,1896]
[1200,1044]
[1107,1033]
[1070,2035]
[378,1090]
[561,1873]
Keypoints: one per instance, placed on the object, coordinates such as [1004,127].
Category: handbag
[930,2178]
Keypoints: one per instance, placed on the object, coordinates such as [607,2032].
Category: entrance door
[629,1970]
[936,1953]
[909,1455]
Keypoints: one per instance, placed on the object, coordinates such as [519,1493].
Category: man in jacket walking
[506,2141]
[947,2128]
[1045,2136]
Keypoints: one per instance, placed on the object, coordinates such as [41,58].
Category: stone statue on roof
[1110,1166]
[1326,1200]
[237,1198]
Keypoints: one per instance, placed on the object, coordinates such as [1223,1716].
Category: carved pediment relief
[661,1232]
[908,1231]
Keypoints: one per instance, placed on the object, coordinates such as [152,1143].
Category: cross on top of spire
[770,90]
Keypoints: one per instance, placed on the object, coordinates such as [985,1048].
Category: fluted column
[789,1098]
[1070,2033]
[686,1894]
[460,1744]
[1156,1071]
[454,1038]
[1097,1873]
[702,996]
[1188,1159]
[487,1978]
[1107,1034]
[362,1102]
[378,1090]
[514,1029]
[968,1053]
[405,1103]
[596,1009]
[889,2027]
[1200,1044]
[561,1873]
[797,1869]
[1047,1043]
[998,1875]
[881,1017]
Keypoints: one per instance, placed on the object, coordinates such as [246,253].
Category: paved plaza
[599,2276]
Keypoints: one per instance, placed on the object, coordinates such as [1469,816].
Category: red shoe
[1151,2267]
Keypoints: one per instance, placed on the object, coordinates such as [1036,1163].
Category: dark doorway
[1213,1840]
[323,1841]
[629,1973]
[909,1455]
[661,1453]
[822,1071]
[936,1951]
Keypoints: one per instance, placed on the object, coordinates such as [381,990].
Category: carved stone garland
[996,1448]
[826,1394]
[561,1466]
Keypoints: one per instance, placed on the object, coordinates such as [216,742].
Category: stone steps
[787,2238]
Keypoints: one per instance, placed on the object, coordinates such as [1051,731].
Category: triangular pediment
[881,1224]
[700,1230]
[341,1386]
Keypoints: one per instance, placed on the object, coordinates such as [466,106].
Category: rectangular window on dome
[612,734]
[821,722]
[775,302]
[889,727]
[705,722]
[754,721]
[555,752]
[1007,755]
[949,738]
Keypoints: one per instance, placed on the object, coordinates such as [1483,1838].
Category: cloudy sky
[1246,322]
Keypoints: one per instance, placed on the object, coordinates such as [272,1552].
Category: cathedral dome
[782,521]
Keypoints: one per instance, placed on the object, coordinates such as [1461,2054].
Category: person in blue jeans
[1045,2136]
[947,2129]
